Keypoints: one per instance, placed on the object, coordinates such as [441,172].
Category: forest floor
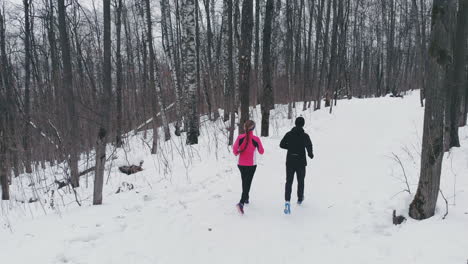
[182,206]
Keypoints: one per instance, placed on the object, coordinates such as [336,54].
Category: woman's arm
[261,150]
[235,147]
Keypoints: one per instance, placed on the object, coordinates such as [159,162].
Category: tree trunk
[257,51]
[229,69]
[118,56]
[190,70]
[27,87]
[323,68]
[318,38]
[308,58]
[244,60]
[170,49]
[267,95]
[5,113]
[105,104]
[459,74]
[425,200]
[155,84]
[332,78]
[69,95]
[289,58]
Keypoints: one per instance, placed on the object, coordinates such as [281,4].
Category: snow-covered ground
[181,210]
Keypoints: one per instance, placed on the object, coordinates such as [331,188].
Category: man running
[296,142]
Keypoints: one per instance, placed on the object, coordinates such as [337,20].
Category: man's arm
[309,147]
[284,142]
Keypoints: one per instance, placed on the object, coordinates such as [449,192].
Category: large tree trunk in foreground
[425,200]
[459,73]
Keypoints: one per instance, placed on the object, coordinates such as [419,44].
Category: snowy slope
[187,214]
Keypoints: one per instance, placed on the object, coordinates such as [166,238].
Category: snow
[182,207]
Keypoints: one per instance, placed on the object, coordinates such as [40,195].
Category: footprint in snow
[216,196]
[87,238]
[148,198]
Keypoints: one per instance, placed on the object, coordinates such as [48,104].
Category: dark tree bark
[229,100]
[105,104]
[257,51]
[459,73]
[323,67]
[118,56]
[5,114]
[4,170]
[210,87]
[27,86]
[332,78]
[318,39]
[267,95]
[425,200]
[69,95]
[289,53]
[308,58]
[245,51]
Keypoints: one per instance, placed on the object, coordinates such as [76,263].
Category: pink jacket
[247,157]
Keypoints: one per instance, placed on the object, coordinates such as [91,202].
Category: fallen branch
[131,169]
[87,171]
[151,119]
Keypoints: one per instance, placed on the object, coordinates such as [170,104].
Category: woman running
[245,147]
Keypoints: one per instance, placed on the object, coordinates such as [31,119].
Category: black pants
[300,172]
[247,173]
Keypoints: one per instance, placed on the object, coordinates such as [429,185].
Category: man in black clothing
[296,142]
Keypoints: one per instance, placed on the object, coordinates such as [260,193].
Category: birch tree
[190,70]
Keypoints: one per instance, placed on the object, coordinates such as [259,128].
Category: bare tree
[228,81]
[459,74]
[155,83]
[424,203]
[118,56]
[105,105]
[245,54]
[4,116]
[27,86]
[267,93]
[69,97]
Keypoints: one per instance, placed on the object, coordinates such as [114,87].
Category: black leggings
[247,173]
[300,172]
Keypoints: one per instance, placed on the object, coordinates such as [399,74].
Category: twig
[76,197]
[397,159]
[446,204]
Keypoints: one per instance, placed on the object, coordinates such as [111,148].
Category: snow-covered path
[352,187]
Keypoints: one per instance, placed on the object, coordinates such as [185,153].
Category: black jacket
[297,142]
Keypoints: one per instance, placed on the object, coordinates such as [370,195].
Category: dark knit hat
[300,121]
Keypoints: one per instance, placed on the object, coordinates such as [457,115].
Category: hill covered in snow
[180,208]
